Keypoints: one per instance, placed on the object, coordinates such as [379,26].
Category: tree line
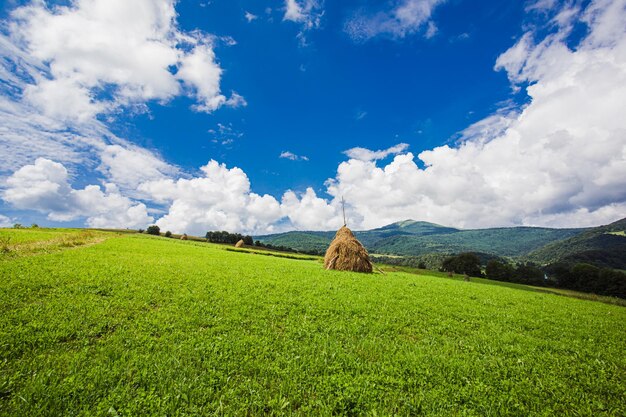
[579,277]
[227,237]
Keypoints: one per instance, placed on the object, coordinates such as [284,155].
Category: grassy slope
[604,246]
[140,325]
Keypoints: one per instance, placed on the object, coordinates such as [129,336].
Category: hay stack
[346,253]
[184,236]
[239,244]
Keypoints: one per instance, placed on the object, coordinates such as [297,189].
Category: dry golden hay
[346,253]
[184,236]
[239,244]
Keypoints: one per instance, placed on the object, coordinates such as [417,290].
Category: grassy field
[129,325]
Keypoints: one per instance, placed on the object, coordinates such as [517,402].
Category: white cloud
[559,161]
[6,221]
[308,13]
[292,156]
[310,212]
[44,187]
[364,154]
[405,18]
[250,17]
[129,167]
[220,199]
[127,51]
[225,134]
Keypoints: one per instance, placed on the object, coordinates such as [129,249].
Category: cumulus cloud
[364,154]
[292,156]
[310,212]
[220,199]
[559,161]
[405,18]
[44,187]
[102,54]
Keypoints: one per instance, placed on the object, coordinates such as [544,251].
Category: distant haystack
[239,244]
[184,236]
[346,253]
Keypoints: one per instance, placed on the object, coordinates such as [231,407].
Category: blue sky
[335,94]
[464,113]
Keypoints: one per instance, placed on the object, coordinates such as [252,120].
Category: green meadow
[98,323]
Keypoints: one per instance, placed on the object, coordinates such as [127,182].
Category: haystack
[346,253]
[184,236]
[239,244]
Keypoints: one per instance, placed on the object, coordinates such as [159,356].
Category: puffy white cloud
[126,51]
[5,221]
[364,154]
[405,18]
[220,199]
[310,212]
[560,161]
[292,156]
[44,187]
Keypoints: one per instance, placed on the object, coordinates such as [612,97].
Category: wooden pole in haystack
[345,252]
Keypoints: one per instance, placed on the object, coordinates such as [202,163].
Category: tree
[529,274]
[168,234]
[499,271]
[248,240]
[464,263]
[154,230]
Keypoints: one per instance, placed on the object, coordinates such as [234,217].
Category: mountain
[603,246]
[415,238]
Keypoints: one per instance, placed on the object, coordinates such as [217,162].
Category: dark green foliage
[227,237]
[140,230]
[464,263]
[34,226]
[499,271]
[603,246]
[153,230]
[168,234]
[18,226]
[527,273]
[589,278]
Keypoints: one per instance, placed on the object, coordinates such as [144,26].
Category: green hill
[412,238]
[603,246]
[96,323]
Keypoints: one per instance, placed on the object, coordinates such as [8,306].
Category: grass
[142,325]
[26,242]
[484,281]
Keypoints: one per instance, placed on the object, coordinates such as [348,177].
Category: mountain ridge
[413,238]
